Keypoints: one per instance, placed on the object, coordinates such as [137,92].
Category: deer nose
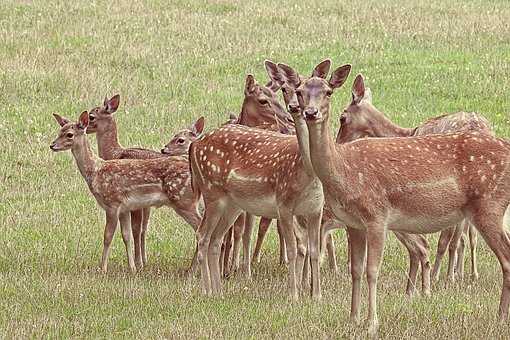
[163,150]
[52,146]
[293,108]
[311,112]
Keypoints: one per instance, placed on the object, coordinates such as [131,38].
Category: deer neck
[304,143]
[84,158]
[107,142]
[323,152]
[386,128]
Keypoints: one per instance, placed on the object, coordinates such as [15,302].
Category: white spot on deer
[464,168]
[493,166]
[483,178]
[471,158]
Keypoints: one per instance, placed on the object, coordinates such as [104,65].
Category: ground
[173,62]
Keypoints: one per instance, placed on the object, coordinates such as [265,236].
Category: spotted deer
[416,245]
[237,168]
[417,184]
[102,122]
[362,119]
[125,185]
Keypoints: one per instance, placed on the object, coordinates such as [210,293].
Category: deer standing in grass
[416,245]
[235,169]
[125,185]
[415,184]
[361,119]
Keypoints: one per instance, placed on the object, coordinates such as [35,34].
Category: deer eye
[180,141]
[263,101]
[69,135]
[91,118]
[329,93]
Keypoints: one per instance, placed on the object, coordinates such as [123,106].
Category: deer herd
[448,175]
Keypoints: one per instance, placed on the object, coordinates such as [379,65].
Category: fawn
[360,118]
[237,168]
[376,184]
[125,185]
[416,245]
[102,122]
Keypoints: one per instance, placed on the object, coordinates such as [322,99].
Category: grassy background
[172,62]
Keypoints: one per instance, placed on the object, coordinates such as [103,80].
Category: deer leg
[375,246]
[302,262]
[414,261]
[287,228]
[459,268]
[263,228]
[145,227]
[491,228]
[213,212]
[313,227]
[238,233]
[358,250]
[330,246]
[473,240]
[452,251]
[222,255]
[112,218]
[248,227]
[127,237]
[230,213]
[136,225]
[226,253]
[442,245]
[281,239]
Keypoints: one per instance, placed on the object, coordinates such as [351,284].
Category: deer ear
[339,76]
[111,105]
[61,120]
[274,74]
[83,121]
[358,89]
[289,75]
[322,69]
[198,126]
[249,86]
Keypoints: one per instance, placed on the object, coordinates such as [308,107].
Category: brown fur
[376,184]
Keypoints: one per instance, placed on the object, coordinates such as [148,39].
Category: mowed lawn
[173,61]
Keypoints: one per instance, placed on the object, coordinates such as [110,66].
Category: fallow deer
[416,185]
[102,122]
[416,245]
[237,168]
[124,185]
[362,119]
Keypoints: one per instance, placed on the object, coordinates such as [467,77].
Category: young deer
[102,122]
[416,245]
[125,185]
[376,184]
[237,168]
[360,118]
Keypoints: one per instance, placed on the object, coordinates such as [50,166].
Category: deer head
[360,118]
[69,132]
[261,105]
[314,93]
[103,115]
[180,142]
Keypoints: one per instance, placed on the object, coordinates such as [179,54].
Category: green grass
[172,62]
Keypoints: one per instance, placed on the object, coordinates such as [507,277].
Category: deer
[379,184]
[262,109]
[361,118]
[124,185]
[109,148]
[237,168]
[416,245]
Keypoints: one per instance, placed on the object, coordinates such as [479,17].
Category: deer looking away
[125,185]
[417,184]
[237,168]
[416,245]
[361,119]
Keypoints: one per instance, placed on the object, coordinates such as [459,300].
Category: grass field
[172,62]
